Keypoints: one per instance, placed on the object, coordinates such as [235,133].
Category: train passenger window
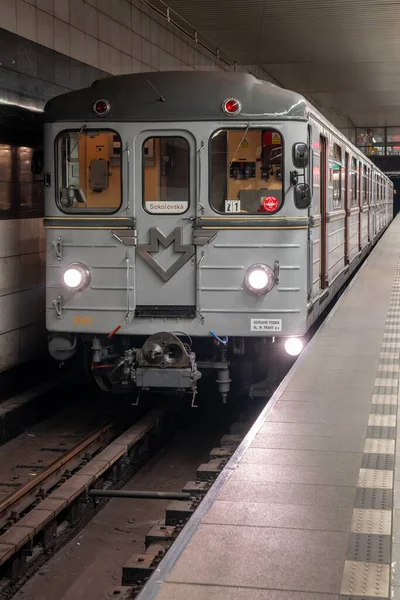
[337,153]
[353,182]
[246,171]
[336,166]
[89,171]
[165,175]
[364,186]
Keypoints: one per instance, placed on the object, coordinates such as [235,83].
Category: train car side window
[353,182]
[166,166]
[246,171]
[89,171]
[364,186]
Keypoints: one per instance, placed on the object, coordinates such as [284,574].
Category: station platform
[308,508]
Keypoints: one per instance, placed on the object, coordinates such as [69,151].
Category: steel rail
[14,497]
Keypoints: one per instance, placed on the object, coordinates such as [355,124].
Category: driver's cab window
[246,171]
[89,171]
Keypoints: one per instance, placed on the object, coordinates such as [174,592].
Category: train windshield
[89,171]
[246,171]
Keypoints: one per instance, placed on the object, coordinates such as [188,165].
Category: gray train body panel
[212,279]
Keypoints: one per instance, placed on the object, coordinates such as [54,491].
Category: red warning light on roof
[232,106]
[101,108]
[270,204]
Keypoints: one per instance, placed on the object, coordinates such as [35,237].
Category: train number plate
[232,206]
[82,320]
[267,325]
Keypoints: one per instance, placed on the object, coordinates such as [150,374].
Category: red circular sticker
[270,204]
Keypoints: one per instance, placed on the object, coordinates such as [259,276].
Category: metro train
[197,225]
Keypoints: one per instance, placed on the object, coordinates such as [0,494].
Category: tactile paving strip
[375,478]
[382,420]
[374,498]
[381,433]
[379,446]
[382,461]
[370,548]
[366,573]
[384,409]
[366,578]
[371,521]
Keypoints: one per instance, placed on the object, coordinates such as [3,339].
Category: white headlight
[73,278]
[76,277]
[259,279]
[294,346]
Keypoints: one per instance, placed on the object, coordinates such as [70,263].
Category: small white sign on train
[232,206]
[266,324]
[164,207]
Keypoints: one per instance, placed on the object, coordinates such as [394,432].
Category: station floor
[308,508]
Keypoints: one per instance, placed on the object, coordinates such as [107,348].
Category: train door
[346,208]
[323,201]
[165,207]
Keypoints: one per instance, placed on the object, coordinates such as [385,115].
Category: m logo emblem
[156,238]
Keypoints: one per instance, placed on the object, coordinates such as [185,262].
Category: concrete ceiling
[342,54]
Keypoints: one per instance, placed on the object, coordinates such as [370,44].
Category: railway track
[50,495]
[39,485]
[130,536]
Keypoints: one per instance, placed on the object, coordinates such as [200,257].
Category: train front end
[176,227]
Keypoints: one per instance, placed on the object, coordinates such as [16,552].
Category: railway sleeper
[198,488]
[230,440]
[139,567]
[210,471]
[178,512]
[224,453]
[161,534]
